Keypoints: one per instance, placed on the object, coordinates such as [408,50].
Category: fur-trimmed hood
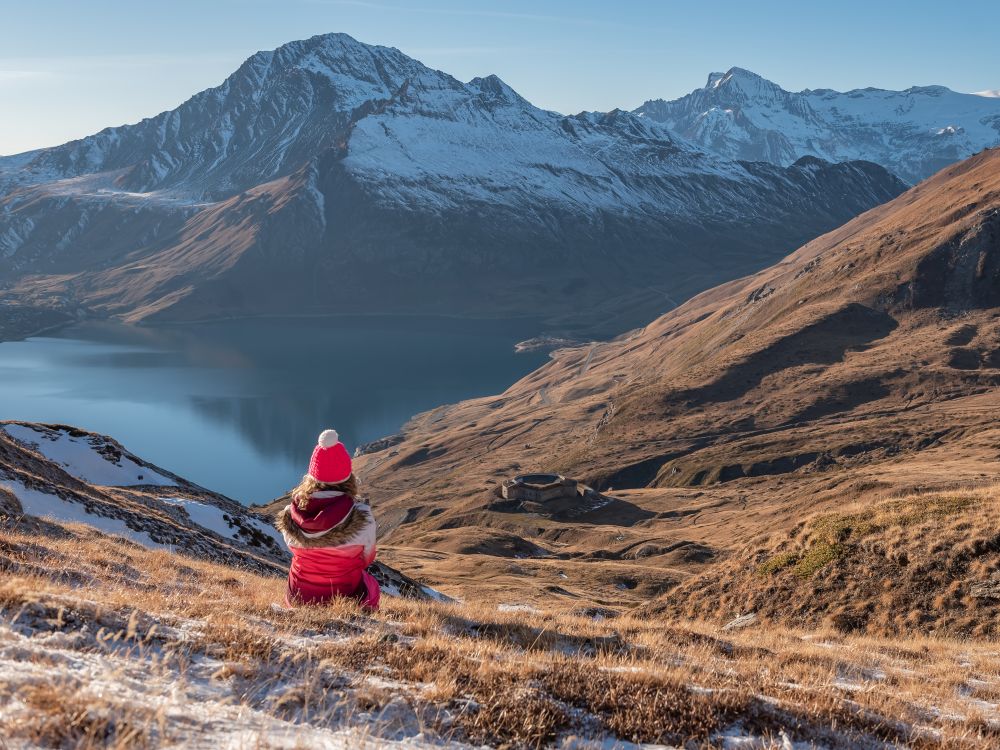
[357,527]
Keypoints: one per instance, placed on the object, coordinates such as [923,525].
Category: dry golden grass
[893,566]
[60,716]
[518,679]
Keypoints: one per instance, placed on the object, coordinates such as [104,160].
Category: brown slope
[867,361]
[280,247]
[196,270]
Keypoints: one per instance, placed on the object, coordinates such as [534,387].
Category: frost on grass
[106,644]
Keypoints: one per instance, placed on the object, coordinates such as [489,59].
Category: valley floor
[104,643]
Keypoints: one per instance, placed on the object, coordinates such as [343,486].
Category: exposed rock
[741,622]
[378,445]
[988,589]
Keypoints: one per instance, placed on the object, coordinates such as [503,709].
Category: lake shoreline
[24,332]
[236,404]
[20,323]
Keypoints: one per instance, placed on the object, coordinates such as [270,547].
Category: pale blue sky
[70,67]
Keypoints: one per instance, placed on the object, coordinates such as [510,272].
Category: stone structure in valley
[539,488]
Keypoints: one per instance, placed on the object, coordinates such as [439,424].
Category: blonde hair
[308,485]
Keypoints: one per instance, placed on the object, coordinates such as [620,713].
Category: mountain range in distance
[913,133]
[328,163]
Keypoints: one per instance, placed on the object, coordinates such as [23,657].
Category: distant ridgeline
[912,133]
[328,163]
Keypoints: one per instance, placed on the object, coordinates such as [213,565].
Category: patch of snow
[436,595]
[214,519]
[518,608]
[44,505]
[80,457]
[736,737]
[390,589]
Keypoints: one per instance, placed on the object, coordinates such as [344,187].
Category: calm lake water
[236,406]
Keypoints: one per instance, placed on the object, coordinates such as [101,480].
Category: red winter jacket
[332,541]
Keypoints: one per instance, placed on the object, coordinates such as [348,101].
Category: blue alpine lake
[236,405]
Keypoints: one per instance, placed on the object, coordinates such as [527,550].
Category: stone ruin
[548,495]
[539,488]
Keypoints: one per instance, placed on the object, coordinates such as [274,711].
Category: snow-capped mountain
[329,163]
[912,133]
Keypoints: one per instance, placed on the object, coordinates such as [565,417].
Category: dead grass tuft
[62,717]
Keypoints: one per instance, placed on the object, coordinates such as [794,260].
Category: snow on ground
[80,457]
[214,519]
[436,595]
[199,712]
[45,505]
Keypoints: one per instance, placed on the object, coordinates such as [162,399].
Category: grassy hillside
[104,643]
[920,562]
[865,365]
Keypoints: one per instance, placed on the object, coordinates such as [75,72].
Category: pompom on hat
[330,463]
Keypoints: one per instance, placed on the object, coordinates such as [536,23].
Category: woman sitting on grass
[330,532]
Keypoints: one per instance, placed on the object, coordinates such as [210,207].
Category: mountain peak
[744,80]
[714,79]
[495,88]
[742,115]
[739,84]
[333,41]
[338,53]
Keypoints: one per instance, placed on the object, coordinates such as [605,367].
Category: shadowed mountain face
[865,364]
[331,164]
[912,133]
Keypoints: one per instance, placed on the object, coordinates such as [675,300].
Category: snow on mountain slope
[63,475]
[332,162]
[74,476]
[913,133]
[279,108]
[90,458]
[51,506]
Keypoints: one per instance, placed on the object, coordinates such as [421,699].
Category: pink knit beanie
[330,463]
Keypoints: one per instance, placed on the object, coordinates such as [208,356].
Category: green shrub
[777,563]
[817,557]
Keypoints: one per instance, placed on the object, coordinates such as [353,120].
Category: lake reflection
[236,405]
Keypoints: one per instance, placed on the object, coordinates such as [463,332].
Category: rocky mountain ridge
[52,474]
[328,162]
[913,133]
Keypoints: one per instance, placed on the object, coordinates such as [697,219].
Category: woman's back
[330,533]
